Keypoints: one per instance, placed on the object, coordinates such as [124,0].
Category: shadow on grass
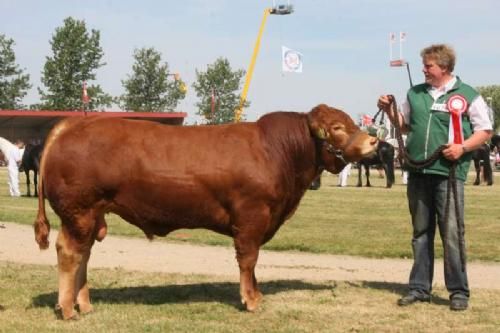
[399,289]
[225,292]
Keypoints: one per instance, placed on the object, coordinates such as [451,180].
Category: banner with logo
[291,60]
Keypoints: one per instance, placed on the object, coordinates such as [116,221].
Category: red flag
[85,96]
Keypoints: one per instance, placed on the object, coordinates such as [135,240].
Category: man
[443,110]
[14,157]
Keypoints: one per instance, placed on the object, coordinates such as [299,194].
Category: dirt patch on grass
[17,244]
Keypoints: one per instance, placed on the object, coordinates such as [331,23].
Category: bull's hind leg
[248,233]
[82,288]
[73,252]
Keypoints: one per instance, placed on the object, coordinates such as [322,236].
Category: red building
[34,125]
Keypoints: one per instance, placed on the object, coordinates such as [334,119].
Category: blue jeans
[427,203]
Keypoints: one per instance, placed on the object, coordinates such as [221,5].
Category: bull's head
[342,141]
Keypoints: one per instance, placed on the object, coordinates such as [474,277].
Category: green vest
[429,128]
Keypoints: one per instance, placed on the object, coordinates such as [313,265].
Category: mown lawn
[145,302]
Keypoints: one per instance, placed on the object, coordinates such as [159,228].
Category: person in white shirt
[14,156]
[344,175]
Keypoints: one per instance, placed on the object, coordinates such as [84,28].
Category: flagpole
[401,45]
[390,45]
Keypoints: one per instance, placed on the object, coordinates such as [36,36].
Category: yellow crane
[275,10]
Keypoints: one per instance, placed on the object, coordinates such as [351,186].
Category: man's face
[434,74]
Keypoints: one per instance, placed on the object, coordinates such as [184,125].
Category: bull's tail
[41,224]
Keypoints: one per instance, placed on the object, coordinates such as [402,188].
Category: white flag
[402,36]
[291,60]
[392,37]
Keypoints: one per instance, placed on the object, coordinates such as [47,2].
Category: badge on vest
[439,107]
[457,104]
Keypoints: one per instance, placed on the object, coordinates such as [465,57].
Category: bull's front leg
[248,234]
[249,291]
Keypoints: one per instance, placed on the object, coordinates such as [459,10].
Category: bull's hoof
[253,304]
[84,308]
[65,314]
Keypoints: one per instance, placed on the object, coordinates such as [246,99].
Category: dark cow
[481,158]
[495,142]
[241,180]
[31,162]
[384,158]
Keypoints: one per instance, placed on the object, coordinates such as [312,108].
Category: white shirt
[478,109]
[14,155]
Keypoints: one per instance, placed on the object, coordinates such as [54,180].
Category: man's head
[439,62]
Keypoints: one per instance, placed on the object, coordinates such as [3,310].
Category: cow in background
[384,158]
[481,158]
[495,142]
[242,180]
[31,162]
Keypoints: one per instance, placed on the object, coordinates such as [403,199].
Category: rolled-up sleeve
[405,111]
[479,115]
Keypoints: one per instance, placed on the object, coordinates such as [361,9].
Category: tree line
[150,87]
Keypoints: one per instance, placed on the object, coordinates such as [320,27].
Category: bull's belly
[160,221]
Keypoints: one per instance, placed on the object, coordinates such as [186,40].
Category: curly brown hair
[443,54]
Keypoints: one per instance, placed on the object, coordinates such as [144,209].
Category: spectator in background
[344,175]
[14,157]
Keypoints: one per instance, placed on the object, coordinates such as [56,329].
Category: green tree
[491,95]
[148,88]
[223,83]
[76,57]
[13,83]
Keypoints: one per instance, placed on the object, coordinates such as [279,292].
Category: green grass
[146,302]
[370,222]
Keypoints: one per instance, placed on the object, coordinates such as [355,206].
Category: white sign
[291,61]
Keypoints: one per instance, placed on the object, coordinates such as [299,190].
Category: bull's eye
[337,127]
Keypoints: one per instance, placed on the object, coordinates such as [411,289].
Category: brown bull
[242,180]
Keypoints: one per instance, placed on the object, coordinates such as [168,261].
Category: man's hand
[453,151]
[384,103]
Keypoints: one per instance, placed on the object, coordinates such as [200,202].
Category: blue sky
[345,44]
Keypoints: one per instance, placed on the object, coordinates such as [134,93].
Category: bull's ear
[321,133]
[316,124]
